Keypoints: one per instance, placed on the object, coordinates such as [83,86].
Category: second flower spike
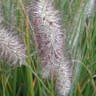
[12,49]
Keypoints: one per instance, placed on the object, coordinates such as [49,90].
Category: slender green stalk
[29,73]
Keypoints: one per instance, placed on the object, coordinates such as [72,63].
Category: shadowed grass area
[80,42]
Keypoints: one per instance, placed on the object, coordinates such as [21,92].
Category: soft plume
[12,49]
[50,37]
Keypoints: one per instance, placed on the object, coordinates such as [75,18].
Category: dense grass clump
[79,20]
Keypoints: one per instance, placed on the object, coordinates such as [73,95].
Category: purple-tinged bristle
[50,38]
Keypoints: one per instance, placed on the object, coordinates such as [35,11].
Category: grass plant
[80,43]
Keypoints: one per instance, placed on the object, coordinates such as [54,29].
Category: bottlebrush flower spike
[12,49]
[51,44]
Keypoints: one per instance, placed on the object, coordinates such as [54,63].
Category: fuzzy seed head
[46,22]
[63,80]
[51,43]
[11,49]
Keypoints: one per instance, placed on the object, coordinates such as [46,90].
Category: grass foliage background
[80,42]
